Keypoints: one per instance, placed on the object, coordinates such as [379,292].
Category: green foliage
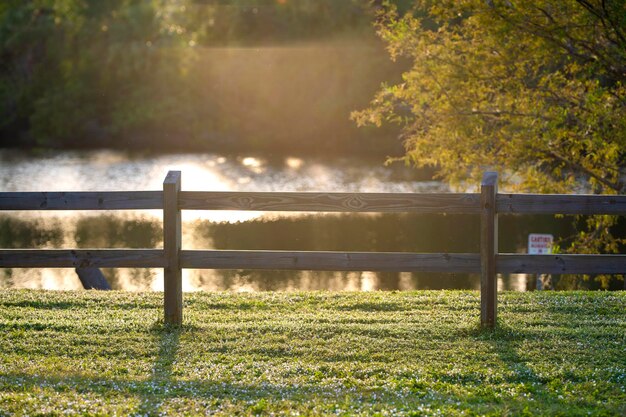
[182,73]
[237,22]
[533,89]
[87,68]
[400,354]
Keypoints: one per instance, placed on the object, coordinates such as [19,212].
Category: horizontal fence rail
[453,203]
[82,200]
[561,204]
[331,202]
[560,264]
[312,260]
[84,258]
[331,261]
[488,204]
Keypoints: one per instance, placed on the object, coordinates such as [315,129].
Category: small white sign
[540,244]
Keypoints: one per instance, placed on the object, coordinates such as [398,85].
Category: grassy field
[322,353]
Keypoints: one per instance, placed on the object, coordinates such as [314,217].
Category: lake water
[112,170]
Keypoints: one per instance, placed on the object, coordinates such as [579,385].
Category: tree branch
[615,186]
[500,113]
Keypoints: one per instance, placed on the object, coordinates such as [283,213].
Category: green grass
[321,353]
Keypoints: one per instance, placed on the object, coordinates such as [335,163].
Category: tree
[186,74]
[533,89]
[85,70]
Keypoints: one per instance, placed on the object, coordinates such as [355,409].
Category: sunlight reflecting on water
[514,282]
[369,281]
[46,278]
[118,171]
[294,163]
[107,170]
[406,281]
[151,279]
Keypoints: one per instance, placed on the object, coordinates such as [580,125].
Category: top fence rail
[82,200]
[450,203]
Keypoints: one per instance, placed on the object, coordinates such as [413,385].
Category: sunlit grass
[312,353]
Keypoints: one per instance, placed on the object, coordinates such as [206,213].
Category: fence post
[488,249]
[172,241]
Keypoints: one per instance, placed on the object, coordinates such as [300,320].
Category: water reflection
[107,170]
[341,232]
[113,170]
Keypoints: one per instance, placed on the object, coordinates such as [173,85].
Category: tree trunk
[92,279]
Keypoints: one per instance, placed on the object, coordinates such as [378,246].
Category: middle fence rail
[172,258]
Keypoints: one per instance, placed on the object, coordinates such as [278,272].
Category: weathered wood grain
[82,200]
[331,202]
[172,243]
[84,258]
[331,261]
[561,204]
[488,250]
[561,264]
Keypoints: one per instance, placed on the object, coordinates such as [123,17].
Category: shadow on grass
[73,305]
[163,387]
[163,384]
[506,342]
[547,383]
[161,378]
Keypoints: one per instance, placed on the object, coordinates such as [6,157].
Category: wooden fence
[171,200]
